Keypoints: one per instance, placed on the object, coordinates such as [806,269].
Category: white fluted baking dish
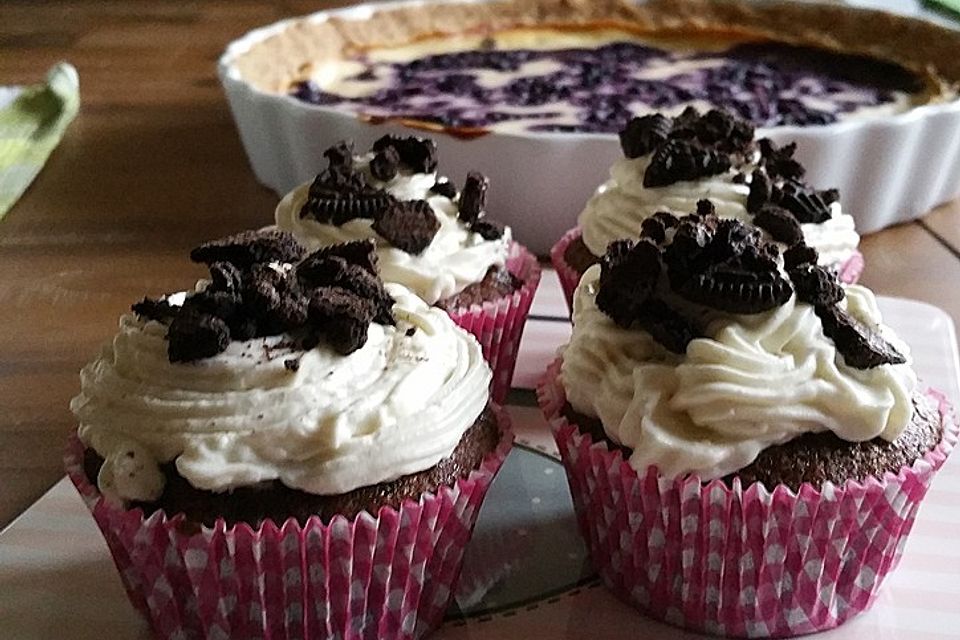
[889,169]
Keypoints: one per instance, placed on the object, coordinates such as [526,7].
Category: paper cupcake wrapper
[498,324]
[569,277]
[740,561]
[849,271]
[385,576]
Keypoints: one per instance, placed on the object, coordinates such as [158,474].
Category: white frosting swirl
[755,381]
[398,405]
[455,259]
[621,203]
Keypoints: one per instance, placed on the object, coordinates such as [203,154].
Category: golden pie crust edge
[929,50]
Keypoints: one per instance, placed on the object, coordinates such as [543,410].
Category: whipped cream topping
[756,381]
[620,204]
[396,406]
[455,259]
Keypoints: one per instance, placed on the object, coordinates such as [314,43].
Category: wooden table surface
[152,166]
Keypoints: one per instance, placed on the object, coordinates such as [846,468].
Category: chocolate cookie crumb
[628,275]
[860,346]
[488,229]
[816,285]
[340,154]
[194,335]
[417,154]
[409,225]
[642,135]
[249,247]
[778,222]
[292,364]
[681,160]
[473,198]
[385,164]
[150,309]
[445,188]
[799,254]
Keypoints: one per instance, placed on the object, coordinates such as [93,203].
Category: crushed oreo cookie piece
[653,229]
[336,271]
[644,134]
[249,247]
[778,222]
[860,346]
[340,194]
[680,160]
[779,161]
[445,188]
[343,316]
[799,254]
[419,155]
[759,190]
[159,310]
[473,198]
[385,164]
[722,130]
[254,290]
[488,229]
[816,285]
[804,203]
[666,326]
[194,335]
[667,219]
[292,364]
[737,291]
[340,154]
[409,225]
[362,253]
[225,277]
[706,208]
[274,299]
[829,196]
[628,276]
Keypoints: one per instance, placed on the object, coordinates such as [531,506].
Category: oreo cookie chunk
[860,346]
[473,198]
[260,286]
[409,225]
[688,147]
[418,155]
[340,194]
[250,247]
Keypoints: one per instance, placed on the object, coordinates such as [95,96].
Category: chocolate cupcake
[432,237]
[292,417]
[741,421]
[671,163]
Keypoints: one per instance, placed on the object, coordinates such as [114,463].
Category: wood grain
[151,167]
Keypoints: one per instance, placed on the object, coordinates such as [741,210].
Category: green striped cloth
[32,122]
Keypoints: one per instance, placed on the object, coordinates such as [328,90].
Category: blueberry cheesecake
[562,67]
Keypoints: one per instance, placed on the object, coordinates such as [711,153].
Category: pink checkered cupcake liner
[738,561]
[569,277]
[389,575]
[848,272]
[498,324]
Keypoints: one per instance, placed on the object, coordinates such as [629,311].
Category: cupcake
[431,237]
[671,163]
[745,441]
[291,450]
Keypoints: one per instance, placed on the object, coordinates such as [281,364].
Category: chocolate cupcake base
[277,502]
[498,282]
[816,458]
